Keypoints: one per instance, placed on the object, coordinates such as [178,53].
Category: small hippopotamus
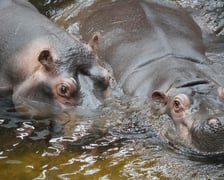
[156,52]
[40,61]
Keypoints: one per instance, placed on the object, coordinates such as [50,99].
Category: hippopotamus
[41,62]
[157,53]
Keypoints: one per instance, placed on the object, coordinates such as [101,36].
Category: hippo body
[141,37]
[156,52]
[41,62]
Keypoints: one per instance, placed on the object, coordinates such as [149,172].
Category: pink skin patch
[221,92]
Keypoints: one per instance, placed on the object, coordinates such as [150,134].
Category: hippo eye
[180,103]
[177,105]
[63,89]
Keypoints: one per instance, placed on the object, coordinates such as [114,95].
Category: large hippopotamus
[156,52]
[40,61]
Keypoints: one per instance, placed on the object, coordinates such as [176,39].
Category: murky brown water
[121,140]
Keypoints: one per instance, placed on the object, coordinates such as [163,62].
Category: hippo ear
[94,42]
[46,59]
[158,96]
[160,101]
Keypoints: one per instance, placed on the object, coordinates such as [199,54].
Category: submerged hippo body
[41,62]
[156,52]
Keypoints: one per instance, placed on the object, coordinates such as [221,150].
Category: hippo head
[55,80]
[97,73]
[197,110]
[47,85]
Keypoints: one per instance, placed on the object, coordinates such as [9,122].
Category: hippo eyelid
[73,80]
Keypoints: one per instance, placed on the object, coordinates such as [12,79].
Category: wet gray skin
[157,53]
[41,62]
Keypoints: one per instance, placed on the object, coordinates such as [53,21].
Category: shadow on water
[121,140]
[50,7]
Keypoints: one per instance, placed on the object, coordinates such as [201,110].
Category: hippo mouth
[199,86]
[191,83]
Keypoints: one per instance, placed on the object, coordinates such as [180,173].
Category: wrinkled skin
[157,52]
[41,62]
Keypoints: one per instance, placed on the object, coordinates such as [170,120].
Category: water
[121,140]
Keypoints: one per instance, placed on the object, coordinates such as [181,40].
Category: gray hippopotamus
[156,52]
[41,62]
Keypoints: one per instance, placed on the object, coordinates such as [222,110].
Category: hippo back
[135,33]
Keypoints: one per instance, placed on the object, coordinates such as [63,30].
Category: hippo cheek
[183,127]
[180,113]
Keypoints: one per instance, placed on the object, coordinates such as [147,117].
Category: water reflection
[117,141]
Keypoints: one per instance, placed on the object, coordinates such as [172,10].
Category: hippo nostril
[214,123]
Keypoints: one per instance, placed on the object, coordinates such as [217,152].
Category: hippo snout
[209,136]
[100,75]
